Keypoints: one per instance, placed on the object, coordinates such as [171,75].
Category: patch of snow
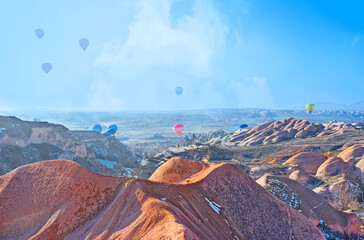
[316,207]
[2,129]
[214,206]
[227,222]
[163,198]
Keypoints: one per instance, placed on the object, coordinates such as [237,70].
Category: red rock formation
[333,166]
[62,200]
[360,165]
[352,153]
[304,178]
[312,205]
[307,161]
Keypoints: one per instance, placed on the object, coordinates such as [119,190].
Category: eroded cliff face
[60,199]
[340,224]
[23,142]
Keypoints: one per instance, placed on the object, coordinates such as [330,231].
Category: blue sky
[265,54]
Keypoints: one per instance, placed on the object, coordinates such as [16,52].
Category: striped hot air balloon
[178,128]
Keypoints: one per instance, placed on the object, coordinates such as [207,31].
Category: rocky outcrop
[278,131]
[305,179]
[274,132]
[360,165]
[209,138]
[333,166]
[307,161]
[332,129]
[23,142]
[106,148]
[62,200]
[353,154]
[313,206]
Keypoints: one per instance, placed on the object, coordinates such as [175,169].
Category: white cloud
[157,56]
[252,92]
[152,40]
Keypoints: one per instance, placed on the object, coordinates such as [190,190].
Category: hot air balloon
[39,33]
[310,107]
[46,67]
[113,126]
[84,42]
[111,130]
[243,125]
[178,128]
[179,90]
[97,128]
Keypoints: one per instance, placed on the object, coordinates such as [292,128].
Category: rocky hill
[23,142]
[183,200]
[278,131]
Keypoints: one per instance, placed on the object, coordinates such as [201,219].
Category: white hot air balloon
[84,42]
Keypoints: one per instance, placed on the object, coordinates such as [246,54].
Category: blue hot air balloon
[97,128]
[39,33]
[179,90]
[84,42]
[111,130]
[243,126]
[46,67]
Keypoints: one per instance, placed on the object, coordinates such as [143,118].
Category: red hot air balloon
[178,128]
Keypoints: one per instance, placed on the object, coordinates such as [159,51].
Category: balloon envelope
[110,132]
[84,42]
[97,128]
[310,107]
[46,67]
[243,125]
[179,90]
[178,128]
[114,127]
[39,33]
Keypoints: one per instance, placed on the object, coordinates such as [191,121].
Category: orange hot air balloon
[178,128]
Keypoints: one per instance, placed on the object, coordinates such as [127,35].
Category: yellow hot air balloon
[310,107]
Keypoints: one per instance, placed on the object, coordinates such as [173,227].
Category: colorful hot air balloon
[46,67]
[39,33]
[178,128]
[243,125]
[97,128]
[84,42]
[310,107]
[179,90]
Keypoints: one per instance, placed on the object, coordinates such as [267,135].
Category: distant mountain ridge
[359,106]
